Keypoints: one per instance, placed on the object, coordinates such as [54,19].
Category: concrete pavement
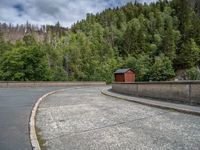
[84,119]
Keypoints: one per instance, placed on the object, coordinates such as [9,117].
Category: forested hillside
[156,40]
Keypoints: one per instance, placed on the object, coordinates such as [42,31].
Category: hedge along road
[15,109]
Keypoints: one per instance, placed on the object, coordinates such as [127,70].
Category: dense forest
[157,40]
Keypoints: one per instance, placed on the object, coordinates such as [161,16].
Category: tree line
[155,40]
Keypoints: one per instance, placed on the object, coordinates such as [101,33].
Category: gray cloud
[50,11]
[44,7]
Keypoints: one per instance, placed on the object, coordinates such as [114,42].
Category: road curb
[158,104]
[32,131]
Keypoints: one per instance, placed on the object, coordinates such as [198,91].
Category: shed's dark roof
[123,70]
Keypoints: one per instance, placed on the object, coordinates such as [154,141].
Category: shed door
[129,76]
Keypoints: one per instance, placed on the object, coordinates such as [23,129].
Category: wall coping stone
[162,82]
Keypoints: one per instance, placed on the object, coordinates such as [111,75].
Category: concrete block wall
[183,92]
[48,84]
[195,93]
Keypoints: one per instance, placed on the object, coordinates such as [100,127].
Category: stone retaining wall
[184,92]
[48,84]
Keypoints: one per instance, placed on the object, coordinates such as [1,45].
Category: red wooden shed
[125,75]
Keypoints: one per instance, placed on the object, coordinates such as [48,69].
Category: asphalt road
[15,109]
[84,119]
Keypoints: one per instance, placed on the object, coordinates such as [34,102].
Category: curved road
[15,109]
[84,119]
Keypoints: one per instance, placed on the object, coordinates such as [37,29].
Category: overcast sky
[42,12]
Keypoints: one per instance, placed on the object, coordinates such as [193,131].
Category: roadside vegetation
[156,40]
